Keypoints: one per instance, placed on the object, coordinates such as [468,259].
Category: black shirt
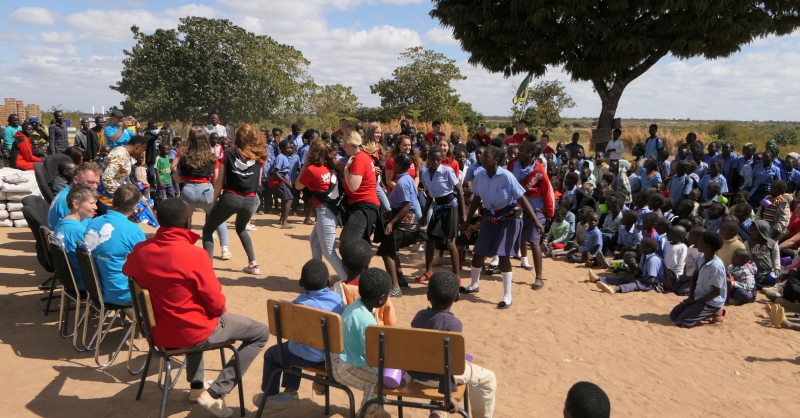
[241,174]
[430,318]
[151,152]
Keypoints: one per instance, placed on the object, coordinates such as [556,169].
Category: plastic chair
[69,292]
[143,310]
[419,350]
[298,323]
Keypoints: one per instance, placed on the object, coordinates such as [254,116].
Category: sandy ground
[550,339]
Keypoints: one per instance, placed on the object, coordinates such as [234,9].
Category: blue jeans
[230,204]
[202,196]
[385,207]
[323,239]
[271,363]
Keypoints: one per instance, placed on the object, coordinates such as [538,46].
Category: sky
[68,52]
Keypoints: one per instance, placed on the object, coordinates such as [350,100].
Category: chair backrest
[44,234]
[43,179]
[34,210]
[142,309]
[302,324]
[88,272]
[413,349]
[61,263]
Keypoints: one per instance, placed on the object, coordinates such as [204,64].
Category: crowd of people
[706,224]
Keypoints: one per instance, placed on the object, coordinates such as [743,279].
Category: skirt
[284,192]
[400,238]
[502,239]
[529,233]
[444,223]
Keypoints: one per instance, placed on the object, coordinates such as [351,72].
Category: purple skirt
[529,233]
[502,239]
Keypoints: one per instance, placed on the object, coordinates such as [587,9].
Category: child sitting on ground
[662,227]
[628,240]
[674,256]
[710,291]
[765,254]
[777,213]
[592,252]
[558,236]
[682,286]
[350,367]
[732,242]
[314,280]
[715,213]
[649,228]
[356,256]
[442,293]
[580,230]
[647,277]
[741,279]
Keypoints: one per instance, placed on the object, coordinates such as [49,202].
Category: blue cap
[33,119]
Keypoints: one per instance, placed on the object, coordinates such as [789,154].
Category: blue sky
[68,52]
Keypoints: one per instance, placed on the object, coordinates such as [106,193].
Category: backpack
[335,198]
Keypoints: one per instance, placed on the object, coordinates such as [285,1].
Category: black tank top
[241,174]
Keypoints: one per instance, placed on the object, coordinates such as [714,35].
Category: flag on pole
[522,91]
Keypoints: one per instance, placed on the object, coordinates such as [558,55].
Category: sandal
[308,222]
[424,278]
[716,319]
[537,286]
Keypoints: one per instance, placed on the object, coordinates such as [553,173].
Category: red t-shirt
[548,150]
[430,137]
[453,163]
[412,171]
[794,229]
[339,132]
[516,139]
[316,179]
[363,165]
[483,139]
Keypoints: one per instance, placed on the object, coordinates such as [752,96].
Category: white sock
[475,273]
[224,248]
[495,260]
[506,287]
[525,262]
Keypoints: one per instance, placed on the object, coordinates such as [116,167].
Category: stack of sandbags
[15,185]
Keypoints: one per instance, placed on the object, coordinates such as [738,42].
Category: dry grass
[671,137]
[425,127]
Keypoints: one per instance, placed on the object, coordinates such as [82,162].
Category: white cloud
[441,36]
[33,16]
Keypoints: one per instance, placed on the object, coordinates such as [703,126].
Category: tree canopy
[328,104]
[546,101]
[608,43]
[211,66]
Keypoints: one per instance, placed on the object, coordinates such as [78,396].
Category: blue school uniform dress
[652,270]
[111,238]
[702,170]
[679,187]
[728,164]
[593,237]
[632,236]
[665,168]
[439,185]
[472,171]
[284,166]
[705,181]
[762,182]
[711,274]
[501,228]
[70,231]
[406,231]
[652,146]
[651,182]
[792,178]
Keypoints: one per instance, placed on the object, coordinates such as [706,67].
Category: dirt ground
[549,339]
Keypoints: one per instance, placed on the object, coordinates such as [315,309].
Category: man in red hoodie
[188,303]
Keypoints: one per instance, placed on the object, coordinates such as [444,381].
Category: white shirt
[219,129]
[618,148]
[675,257]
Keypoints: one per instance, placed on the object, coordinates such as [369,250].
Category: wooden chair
[143,311]
[312,327]
[69,291]
[95,303]
[419,350]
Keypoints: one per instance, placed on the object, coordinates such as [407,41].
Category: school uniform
[712,274]
[702,170]
[728,164]
[501,228]
[440,185]
[540,195]
[285,166]
[652,274]
[651,179]
[679,188]
[706,180]
[405,232]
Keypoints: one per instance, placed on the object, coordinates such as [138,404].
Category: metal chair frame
[69,291]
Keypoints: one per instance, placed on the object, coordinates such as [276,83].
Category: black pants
[791,290]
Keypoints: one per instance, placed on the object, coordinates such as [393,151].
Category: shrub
[728,131]
[786,136]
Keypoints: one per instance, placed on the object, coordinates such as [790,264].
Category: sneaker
[282,400]
[376,411]
[261,212]
[195,393]
[217,407]
[226,255]
[319,389]
[252,269]
[395,292]
[251,227]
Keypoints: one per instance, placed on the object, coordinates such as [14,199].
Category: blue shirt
[665,168]
[762,176]
[404,191]
[702,170]
[652,266]
[70,231]
[651,146]
[123,140]
[632,236]
[790,176]
[679,187]
[499,191]
[441,182]
[571,194]
[325,300]
[707,158]
[472,170]
[297,139]
[651,182]
[705,181]
[58,208]
[8,135]
[713,224]
[537,203]
[571,219]
[355,320]
[287,167]
[728,164]
[744,229]
[301,152]
[711,275]
[111,238]
[593,237]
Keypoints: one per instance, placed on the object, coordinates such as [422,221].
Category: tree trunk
[184,131]
[609,97]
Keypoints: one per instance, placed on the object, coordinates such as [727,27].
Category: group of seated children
[362,301]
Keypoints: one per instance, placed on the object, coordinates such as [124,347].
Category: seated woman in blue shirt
[501,229]
[82,201]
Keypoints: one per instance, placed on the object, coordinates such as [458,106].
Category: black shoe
[466,291]
[503,305]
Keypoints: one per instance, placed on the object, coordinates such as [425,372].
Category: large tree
[211,66]
[610,42]
[328,104]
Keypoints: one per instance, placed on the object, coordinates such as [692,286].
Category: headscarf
[774,144]
[763,229]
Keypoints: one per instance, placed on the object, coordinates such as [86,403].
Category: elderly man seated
[188,303]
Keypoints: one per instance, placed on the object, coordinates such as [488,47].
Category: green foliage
[210,66]
[608,43]
[366,114]
[328,104]
[470,117]
[786,136]
[421,88]
[728,131]
[546,101]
